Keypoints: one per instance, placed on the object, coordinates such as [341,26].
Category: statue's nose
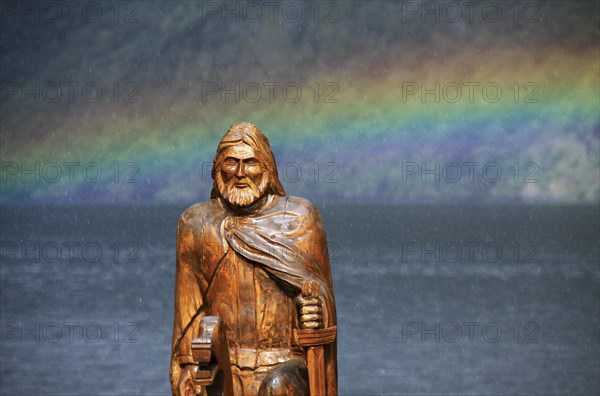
[240,170]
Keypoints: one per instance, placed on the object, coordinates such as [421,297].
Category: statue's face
[240,164]
[240,177]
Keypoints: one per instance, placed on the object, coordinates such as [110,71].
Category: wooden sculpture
[254,304]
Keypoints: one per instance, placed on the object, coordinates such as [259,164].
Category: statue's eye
[230,161]
[251,161]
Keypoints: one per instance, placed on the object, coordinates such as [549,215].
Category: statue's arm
[188,300]
[321,256]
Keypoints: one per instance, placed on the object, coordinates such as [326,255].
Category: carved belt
[252,358]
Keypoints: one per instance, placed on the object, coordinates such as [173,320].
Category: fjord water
[430,299]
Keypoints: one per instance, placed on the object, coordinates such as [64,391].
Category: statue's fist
[311,312]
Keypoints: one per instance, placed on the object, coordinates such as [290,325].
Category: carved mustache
[249,183]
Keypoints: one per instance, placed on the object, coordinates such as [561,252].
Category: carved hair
[248,133]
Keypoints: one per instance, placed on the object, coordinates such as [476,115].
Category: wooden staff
[314,339]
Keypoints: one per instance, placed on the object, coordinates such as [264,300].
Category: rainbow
[354,134]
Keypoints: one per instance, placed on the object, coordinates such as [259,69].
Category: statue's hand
[186,381]
[311,312]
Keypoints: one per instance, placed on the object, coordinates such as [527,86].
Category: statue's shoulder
[200,212]
[301,206]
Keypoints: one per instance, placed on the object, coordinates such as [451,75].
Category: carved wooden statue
[254,304]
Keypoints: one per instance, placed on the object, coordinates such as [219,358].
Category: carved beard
[242,197]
